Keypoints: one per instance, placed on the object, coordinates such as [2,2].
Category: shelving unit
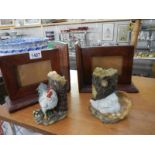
[146,39]
[143,66]
[93,36]
[71,37]
[63,23]
[143,63]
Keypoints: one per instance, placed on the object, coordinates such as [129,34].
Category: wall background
[94,32]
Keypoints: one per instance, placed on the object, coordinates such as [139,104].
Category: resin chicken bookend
[106,103]
[52,100]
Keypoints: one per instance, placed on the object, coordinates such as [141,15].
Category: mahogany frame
[19,97]
[84,65]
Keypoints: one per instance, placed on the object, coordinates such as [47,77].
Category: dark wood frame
[84,62]
[20,97]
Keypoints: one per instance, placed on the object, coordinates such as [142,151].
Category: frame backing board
[22,75]
[40,70]
[119,57]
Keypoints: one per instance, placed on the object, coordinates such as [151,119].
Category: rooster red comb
[49,93]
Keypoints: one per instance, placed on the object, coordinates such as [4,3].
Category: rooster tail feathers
[42,88]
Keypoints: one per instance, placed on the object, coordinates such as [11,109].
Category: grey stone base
[52,116]
[102,117]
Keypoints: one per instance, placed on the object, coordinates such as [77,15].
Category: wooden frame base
[14,105]
[129,88]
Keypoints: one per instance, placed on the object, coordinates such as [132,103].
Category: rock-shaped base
[52,116]
[113,118]
[125,106]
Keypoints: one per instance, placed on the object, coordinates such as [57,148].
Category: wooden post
[59,84]
[135,32]
[104,82]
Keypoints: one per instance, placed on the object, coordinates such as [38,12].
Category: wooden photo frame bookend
[118,57]
[22,75]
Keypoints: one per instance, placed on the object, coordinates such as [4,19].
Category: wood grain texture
[141,119]
[11,66]
[135,32]
[86,55]
[64,61]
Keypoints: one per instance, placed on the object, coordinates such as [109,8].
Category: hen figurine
[47,98]
[52,100]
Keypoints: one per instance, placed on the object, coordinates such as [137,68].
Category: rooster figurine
[47,98]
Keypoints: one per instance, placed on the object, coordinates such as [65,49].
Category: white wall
[94,32]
